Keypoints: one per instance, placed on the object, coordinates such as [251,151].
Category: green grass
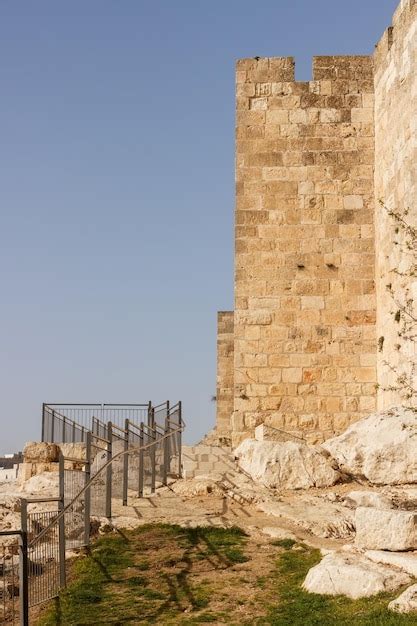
[299,608]
[167,575]
[144,577]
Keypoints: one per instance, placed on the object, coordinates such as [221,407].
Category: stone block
[385,530]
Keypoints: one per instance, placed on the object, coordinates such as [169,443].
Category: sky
[117,190]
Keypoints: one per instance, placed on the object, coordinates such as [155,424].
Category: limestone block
[406,602]
[378,529]
[353,576]
[371,499]
[405,561]
[36,452]
[73,450]
[381,448]
[286,465]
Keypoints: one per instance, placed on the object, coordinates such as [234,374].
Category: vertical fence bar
[149,414]
[152,434]
[141,468]
[52,426]
[63,429]
[43,422]
[166,448]
[180,439]
[109,468]
[87,495]
[125,463]
[24,565]
[61,522]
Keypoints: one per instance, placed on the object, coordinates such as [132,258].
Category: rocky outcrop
[286,465]
[406,602]
[352,575]
[392,530]
[381,449]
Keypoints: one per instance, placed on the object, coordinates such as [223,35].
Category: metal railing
[69,422]
[14,605]
[129,457]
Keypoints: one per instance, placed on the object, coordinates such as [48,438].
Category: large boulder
[352,575]
[287,465]
[381,449]
[392,530]
[41,452]
[406,602]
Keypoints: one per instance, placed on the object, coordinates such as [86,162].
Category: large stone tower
[300,350]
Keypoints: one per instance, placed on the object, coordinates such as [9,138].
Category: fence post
[125,463]
[166,448]
[180,439]
[52,427]
[63,429]
[141,468]
[61,522]
[24,565]
[87,495]
[43,422]
[109,468]
[153,457]
[149,414]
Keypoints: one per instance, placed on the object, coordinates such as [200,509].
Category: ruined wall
[396,186]
[305,342]
[224,393]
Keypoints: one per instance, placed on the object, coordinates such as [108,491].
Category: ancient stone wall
[224,393]
[304,288]
[396,187]
[322,302]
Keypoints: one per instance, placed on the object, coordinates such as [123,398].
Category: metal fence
[69,423]
[13,564]
[130,457]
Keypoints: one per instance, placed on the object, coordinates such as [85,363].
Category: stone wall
[318,321]
[304,288]
[396,186]
[224,393]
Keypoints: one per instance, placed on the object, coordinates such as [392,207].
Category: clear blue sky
[117,182]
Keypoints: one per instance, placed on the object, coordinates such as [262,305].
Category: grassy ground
[160,574]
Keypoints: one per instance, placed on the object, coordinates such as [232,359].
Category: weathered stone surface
[406,602]
[35,452]
[392,530]
[372,499]
[405,561]
[353,576]
[286,465]
[73,450]
[381,448]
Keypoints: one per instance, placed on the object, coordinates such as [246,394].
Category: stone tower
[300,350]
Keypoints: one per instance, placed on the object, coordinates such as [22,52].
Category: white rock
[371,499]
[278,533]
[287,465]
[353,576]
[406,602]
[405,561]
[392,530]
[381,448]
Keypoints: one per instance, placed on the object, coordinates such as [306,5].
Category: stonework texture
[305,333]
[224,393]
[396,188]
